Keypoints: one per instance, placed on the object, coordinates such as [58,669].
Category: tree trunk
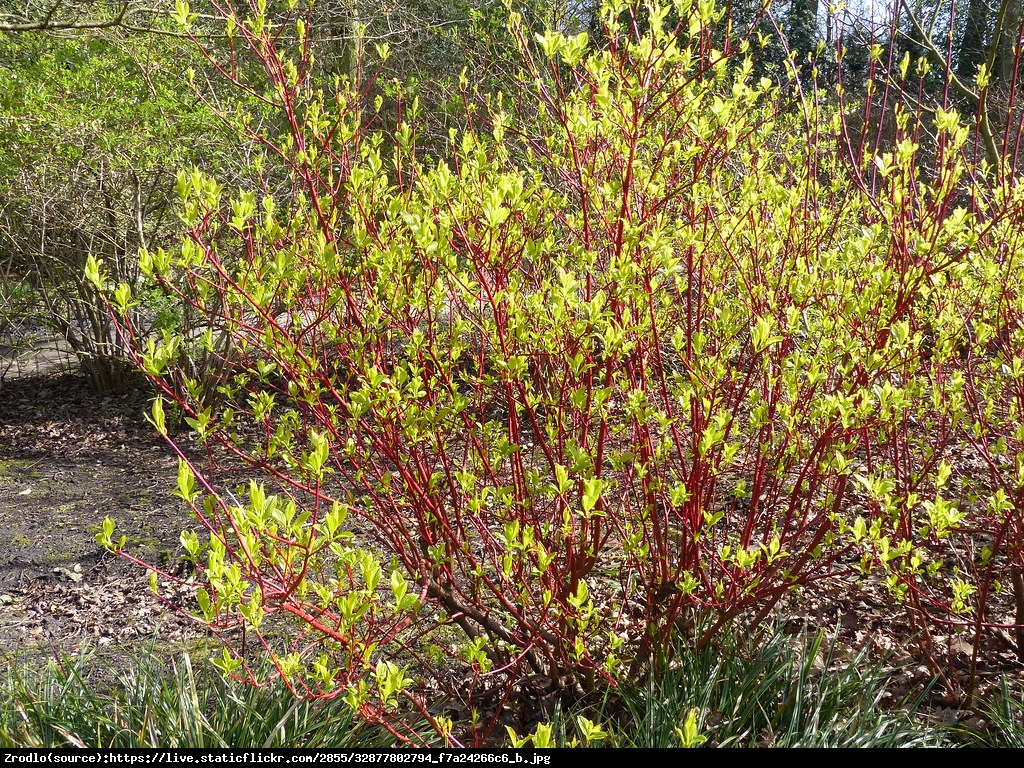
[1009,36]
[344,31]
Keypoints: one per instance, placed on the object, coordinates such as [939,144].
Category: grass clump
[771,690]
[1000,721]
[152,702]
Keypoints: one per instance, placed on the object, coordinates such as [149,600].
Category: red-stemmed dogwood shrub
[602,369]
[935,503]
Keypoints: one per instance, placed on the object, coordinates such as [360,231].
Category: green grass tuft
[770,691]
[156,703]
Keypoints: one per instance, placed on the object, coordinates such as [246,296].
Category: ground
[69,458]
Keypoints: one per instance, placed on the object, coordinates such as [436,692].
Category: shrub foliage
[648,342]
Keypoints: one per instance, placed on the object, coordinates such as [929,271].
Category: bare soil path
[67,460]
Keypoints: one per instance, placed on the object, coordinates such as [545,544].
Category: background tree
[971,51]
[66,15]
[93,126]
[802,32]
[977,63]
[97,117]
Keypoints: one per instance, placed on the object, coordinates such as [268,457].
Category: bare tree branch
[66,15]
[976,99]
[44,25]
[62,15]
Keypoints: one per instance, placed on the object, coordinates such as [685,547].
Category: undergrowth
[82,701]
[773,690]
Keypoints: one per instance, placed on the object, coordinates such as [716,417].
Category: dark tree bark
[1009,36]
